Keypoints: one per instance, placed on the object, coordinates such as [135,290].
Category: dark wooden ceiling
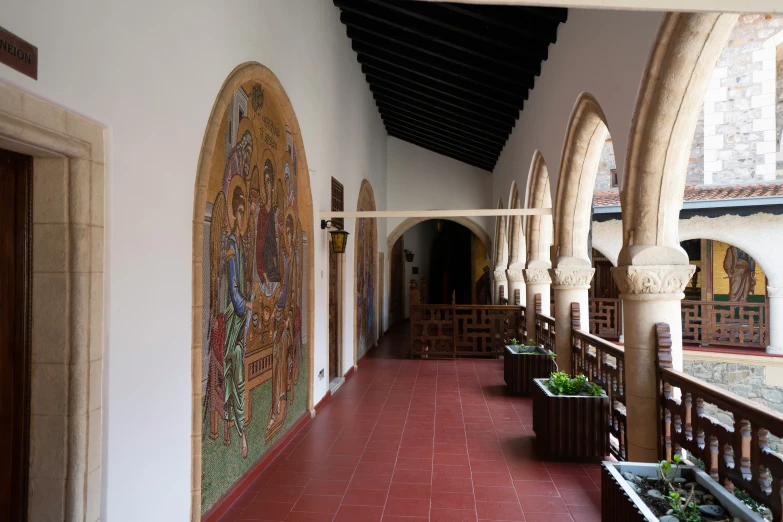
[451,78]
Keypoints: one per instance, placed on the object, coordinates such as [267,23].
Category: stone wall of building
[603,180]
[739,132]
[740,138]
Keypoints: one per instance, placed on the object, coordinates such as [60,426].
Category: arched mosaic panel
[256,274]
[366,273]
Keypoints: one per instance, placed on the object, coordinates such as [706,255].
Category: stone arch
[585,138]
[499,257]
[468,223]
[539,228]
[670,97]
[516,236]
[365,274]
[269,97]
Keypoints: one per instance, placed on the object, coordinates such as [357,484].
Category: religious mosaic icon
[255,341]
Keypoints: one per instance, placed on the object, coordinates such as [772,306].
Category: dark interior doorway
[15,256]
[450,269]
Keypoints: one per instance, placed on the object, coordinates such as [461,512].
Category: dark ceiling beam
[433,98]
[442,127]
[490,154]
[456,84]
[552,13]
[528,60]
[395,98]
[466,65]
[438,68]
[469,99]
[509,35]
[533,26]
[444,152]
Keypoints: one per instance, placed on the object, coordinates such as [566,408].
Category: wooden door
[335,292]
[15,204]
[396,282]
[334,316]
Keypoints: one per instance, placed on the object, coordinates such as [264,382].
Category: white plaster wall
[423,180]
[758,235]
[601,52]
[418,239]
[149,72]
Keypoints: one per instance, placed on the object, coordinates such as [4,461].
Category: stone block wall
[739,132]
[743,378]
[603,180]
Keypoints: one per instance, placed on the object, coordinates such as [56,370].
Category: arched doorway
[253,318]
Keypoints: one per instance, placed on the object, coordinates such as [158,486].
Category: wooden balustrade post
[537,289]
[576,325]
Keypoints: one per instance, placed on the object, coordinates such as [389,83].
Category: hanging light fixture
[438,226]
[339,236]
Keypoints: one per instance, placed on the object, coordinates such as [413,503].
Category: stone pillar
[515,282]
[498,280]
[651,295]
[571,285]
[537,282]
[775,319]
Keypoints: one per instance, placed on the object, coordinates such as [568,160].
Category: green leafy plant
[531,342]
[553,356]
[682,507]
[560,383]
[748,501]
[514,342]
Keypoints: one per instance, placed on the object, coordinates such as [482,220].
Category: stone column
[537,282]
[498,280]
[651,295]
[775,319]
[571,285]
[515,282]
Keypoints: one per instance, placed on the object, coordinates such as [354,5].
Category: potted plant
[571,418]
[524,362]
[671,492]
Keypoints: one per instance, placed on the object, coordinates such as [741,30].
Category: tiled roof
[696,193]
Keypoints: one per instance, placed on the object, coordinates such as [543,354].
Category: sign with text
[18,54]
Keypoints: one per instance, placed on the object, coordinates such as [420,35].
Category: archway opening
[725,302]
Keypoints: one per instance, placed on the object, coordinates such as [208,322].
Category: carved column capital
[537,276]
[647,282]
[514,274]
[571,277]
[499,275]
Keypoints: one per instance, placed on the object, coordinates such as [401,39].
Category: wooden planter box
[570,427]
[619,503]
[519,369]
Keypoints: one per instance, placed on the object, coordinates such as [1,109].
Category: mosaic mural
[254,342]
[365,269]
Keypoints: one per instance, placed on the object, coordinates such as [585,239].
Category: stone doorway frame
[67,303]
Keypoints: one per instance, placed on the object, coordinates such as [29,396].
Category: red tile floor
[416,440]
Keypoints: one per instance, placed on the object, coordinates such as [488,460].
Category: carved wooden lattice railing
[545,328]
[725,323]
[606,317]
[604,364]
[736,454]
[464,330]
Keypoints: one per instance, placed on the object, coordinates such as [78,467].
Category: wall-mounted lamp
[339,236]
[409,256]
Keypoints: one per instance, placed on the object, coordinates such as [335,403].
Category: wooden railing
[606,317]
[603,363]
[464,330]
[725,323]
[735,454]
[545,328]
